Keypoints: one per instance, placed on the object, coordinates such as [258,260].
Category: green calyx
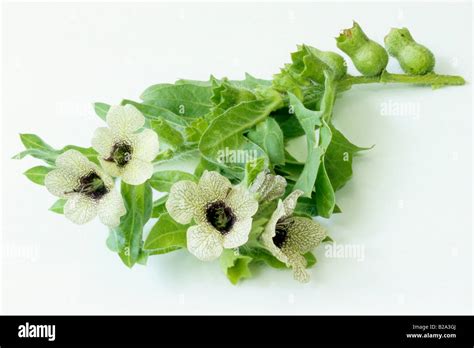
[309,66]
[306,66]
[334,61]
[369,57]
[413,57]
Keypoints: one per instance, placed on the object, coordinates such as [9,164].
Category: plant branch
[431,79]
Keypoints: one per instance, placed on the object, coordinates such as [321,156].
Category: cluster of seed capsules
[370,58]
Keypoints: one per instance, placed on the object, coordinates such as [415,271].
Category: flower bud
[414,58]
[369,57]
[332,59]
[268,187]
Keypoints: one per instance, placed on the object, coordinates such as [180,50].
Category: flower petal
[75,162]
[213,186]
[80,208]
[268,186]
[270,231]
[124,120]
[145,145]
[136,172]
[111,208]
[298,264]
[108,181]
[61,182]
[242,202]
[183,201]
[204,242]
[103,141]
[111,168]
[238,235]
[277,188]
[290,202]
[304,234]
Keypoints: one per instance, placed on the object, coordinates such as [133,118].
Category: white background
[408,205]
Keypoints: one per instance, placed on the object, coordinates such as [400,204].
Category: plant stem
[432,79]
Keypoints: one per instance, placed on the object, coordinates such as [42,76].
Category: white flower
[87,189]
[123,151]
[289,237]
[222,213]
[267,186]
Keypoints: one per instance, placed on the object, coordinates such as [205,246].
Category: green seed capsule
[369,57]
[332,59]
[414,58]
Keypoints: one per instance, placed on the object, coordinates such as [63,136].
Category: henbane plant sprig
[249,201]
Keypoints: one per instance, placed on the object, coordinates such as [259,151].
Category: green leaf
[252,83]
[235,266]
[338,159]
[305,70]
[115,241]
[36,147]
[333,173]
[153,112]
[167,133]
[252,168]
[138,200]
[58,206]
[309,120]
[289,124]
[310,259]
[333,60]
[263,214]
[142,258]
[327,239]
[195,130]
[268,135]
[263,255]
[309,67]
[206,83]
[165,236]
[182,153]
[131,230]
[308,207]
[163,180]
[101,110]
[159,207]
[324,193]
[226,95]
[203,165]
[187,100]
[141,198]
[37,174]
[306,66]
[291,171]
[32,141]
[89,152]
[224,135]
